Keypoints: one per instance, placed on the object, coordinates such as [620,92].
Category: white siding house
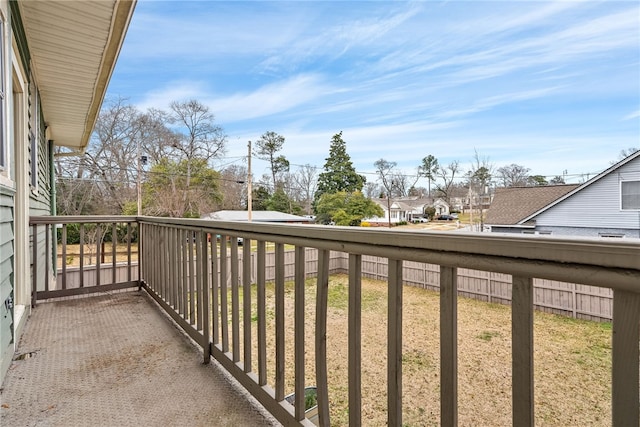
[608,205]
[406,209]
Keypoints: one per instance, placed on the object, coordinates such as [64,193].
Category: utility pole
[249,186]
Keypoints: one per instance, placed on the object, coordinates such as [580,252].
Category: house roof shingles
[513,204]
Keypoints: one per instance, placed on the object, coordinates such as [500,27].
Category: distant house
[258,216]
[406,209]
[608,205]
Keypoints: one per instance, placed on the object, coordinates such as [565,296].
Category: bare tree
[199,136]
[403,183]
[480,176]
[371,190]
[385,172]
[447,174]
[233,186]
[305,180]
[513,175]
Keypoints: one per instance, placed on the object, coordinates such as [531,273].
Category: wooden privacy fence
[568,299]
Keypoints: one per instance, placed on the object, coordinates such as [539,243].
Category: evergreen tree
[339,173]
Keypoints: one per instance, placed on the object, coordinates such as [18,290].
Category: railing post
[448,346]
[215,288]
[235,301]
[299,310]
[246,303]
[626,334]
[224,305]
[394,338]
[280,322]
[322,291]
[355,338]
[262,314]
[522,351]
[204,263]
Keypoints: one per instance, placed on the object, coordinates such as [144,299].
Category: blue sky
[552,86]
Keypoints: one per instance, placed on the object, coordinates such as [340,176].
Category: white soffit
[74,46]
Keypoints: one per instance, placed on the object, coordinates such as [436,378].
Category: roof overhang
[74,46]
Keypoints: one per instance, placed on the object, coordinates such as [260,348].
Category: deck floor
[117,360]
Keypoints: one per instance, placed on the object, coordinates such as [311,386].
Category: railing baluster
[172,268]
[522,351]
[215,288]
[64,256]
[199,279]
[192,276]
[175,271]
[34,260]
[81,255]
[47,262]
[280,320]
[394,338]
[448,346]
[114,252]
[184,272]
[262,314]
[624,382]
[140,229]
[322,290]
[235,300]
[164,261]
[355,338]
[129,252]
[98,252]
[298,340]
[204,279]
[246,299]
[224,307]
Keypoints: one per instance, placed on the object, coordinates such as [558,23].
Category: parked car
[310,403]
[445,218]
[419,220]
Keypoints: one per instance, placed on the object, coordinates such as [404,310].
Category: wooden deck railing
[197,272]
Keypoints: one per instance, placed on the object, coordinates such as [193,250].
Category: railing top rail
[607,263]
[84,219]
[623,254]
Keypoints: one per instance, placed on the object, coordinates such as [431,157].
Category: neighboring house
[258,216]
[608,205]
[56,59]
[406,209]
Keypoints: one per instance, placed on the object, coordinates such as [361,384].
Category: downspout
[53,210]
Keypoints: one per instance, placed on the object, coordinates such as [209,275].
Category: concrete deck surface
[117,360]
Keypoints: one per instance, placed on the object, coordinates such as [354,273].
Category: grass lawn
[572,359]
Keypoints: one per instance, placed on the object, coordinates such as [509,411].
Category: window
[630,195]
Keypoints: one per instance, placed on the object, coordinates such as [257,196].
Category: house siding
[40,198]
[6,277]
[596,208]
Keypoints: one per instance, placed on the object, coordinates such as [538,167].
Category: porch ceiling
[74,46]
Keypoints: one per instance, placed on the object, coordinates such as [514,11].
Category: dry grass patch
[572,359]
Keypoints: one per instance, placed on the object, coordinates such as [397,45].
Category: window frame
[622,204]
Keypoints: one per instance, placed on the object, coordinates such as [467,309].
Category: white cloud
[633,115]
